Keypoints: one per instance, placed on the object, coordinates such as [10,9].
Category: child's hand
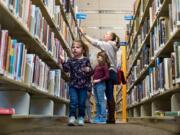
[81,30]
[86,69]
[89,93]
[96,81]
[61,59]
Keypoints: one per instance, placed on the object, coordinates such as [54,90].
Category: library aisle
[37,38]
[94,129]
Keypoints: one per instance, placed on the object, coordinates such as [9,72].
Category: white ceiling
[109,21]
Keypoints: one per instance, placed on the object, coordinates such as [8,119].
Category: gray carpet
[93,129]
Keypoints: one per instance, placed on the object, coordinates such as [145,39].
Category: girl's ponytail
[116,38]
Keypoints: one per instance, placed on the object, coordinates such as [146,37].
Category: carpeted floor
[94,129]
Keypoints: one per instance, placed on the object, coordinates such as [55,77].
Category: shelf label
[123,43]
[81,15]
[129,17]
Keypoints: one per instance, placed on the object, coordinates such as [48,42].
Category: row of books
[40,29]
[13,55]
[153,11]
[7,43]
[158,38]
[159,35]
[17,64]
[51,7]
[162,29]
[31,17]
[164,76]
[142,62]
[57,16]
[161,32]
[144,29]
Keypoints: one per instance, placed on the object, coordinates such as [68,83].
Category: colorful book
[7,111]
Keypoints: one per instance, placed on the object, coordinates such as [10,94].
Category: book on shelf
[57,83]
[177,58]
[51,82]
[172,113]
[12,55]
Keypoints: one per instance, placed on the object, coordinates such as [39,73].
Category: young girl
[110,45]
[80,71]
[101,74]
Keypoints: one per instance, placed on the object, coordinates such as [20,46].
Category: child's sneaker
[96,120]
[71,121]
[102,120]
[80,121]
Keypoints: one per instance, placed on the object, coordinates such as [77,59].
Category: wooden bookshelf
[31,101]
[163,52]
[162,12]
[163,95]
[135,15]
[58,2]
[143,73]
[146,12]
[159,99]
[48,18]
[18,30]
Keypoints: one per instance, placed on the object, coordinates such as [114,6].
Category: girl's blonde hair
[105,57]
[115,38]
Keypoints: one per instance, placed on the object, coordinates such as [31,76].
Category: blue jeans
[77,101]
[99,92]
